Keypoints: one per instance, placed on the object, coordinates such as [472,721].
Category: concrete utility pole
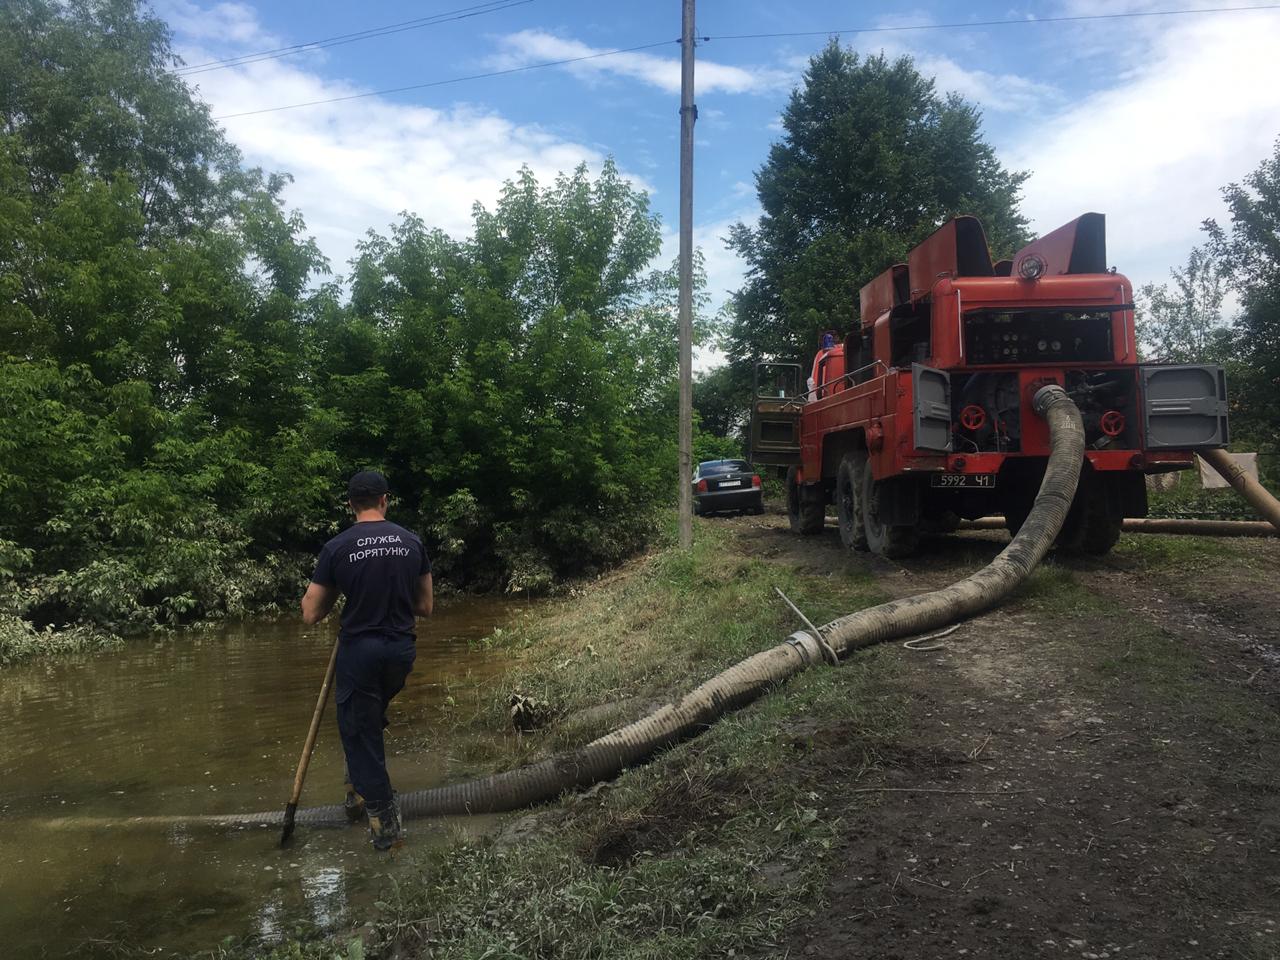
[688,114]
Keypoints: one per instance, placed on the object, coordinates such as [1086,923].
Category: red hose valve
[1112,423]
[973,417]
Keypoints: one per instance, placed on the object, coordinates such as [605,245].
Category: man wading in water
[385,574]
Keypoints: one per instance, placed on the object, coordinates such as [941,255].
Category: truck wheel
[853,533]
[1101,532]
[940,521]
[806,512]
[888,540]
[1099,516]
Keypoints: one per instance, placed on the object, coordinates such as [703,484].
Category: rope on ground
[912,643]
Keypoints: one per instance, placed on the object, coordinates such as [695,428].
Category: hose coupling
[1046,396]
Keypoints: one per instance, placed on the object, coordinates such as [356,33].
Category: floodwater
[209,722]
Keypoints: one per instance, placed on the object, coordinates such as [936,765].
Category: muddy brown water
[205,723]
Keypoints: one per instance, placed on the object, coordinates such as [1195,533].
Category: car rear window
[721,466]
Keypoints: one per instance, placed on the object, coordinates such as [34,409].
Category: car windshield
[713,467]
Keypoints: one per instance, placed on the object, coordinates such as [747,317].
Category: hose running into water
[609,755]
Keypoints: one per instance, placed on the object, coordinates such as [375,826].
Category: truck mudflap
[1184,406]
[931,408]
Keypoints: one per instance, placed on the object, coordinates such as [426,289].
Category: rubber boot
[353,805]
[384,825]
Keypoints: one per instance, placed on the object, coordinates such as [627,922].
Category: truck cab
[928,419]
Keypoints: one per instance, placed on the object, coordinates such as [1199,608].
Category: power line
[448,16]
[993,23]
[743,36]
[441,83]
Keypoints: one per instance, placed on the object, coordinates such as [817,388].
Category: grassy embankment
[722,842]
[717,844]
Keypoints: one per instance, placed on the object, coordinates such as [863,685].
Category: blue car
[720,486]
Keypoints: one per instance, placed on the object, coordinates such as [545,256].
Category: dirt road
[1090,771]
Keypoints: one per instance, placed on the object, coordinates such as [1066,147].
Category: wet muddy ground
[1091,771]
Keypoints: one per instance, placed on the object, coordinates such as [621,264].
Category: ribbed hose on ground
[606,757]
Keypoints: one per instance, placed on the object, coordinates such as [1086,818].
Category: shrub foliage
[185,390]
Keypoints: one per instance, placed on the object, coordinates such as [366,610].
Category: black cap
[366,484]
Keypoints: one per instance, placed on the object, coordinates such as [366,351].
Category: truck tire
[1093,525]
[853,532]
[1101,528]
[806,512]
[894,541]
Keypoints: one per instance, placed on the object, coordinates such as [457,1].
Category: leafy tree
[184,393]
[530,371]
[721,401]
[87,86]
[871,161]
[1249,246]
[1185,324]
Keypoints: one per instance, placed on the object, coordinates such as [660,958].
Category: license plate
[730,483]
[983,481]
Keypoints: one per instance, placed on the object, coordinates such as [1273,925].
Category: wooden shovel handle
[310,745]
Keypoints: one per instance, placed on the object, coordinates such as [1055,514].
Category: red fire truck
[922,416]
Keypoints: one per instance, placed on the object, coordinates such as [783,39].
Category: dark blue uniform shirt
[376,564]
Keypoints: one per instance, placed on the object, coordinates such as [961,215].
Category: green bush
[184,396]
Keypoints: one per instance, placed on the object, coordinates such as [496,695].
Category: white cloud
[538,46]
[234,23]
[356,165]
[994,92]
[725,270]
[1198,109]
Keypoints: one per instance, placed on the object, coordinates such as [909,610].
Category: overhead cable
[750,36]
[974,24]
[441,83]
[448,16]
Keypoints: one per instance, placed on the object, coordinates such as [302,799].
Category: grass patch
[1058,592]
[20,641]
[1160,552]
[669,621]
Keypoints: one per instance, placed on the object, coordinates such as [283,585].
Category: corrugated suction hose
[604,758]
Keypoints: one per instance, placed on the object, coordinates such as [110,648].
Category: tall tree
[88,85]
[1183,323]
[872,159]
[1249,246]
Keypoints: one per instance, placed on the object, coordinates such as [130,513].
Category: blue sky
[1143,119]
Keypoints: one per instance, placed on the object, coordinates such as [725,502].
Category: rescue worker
[383,571]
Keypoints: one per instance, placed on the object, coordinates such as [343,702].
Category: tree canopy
[1249,247]
[872,159]
[1183,322]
